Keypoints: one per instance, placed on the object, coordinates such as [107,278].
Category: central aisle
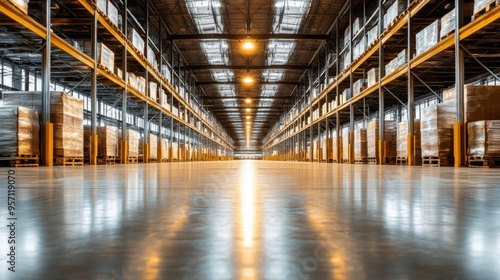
[257,220]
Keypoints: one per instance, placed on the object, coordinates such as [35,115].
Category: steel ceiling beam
[245,97]
[208,83]
[246,67]
[179,37]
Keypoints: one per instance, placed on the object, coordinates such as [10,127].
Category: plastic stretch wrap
[482,103]
[481,4]
[449,96]
[372,76]
[133,142]
[372,35]
[315,150]
[437,130]
[105,56]
[21,4]
[66,113]
[136,39]
[19,131]
[345,143]
[393,12]
[484,138]
[164,149]
[358,87]
[428,37]
[447,24]
[372,135]
[360,145]
[153,146]
[402,139]
[326,145]
[107,141]
[175,150]
[184,151]
[336,151]
[113,14]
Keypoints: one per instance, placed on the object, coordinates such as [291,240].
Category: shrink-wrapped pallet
[479,5]
[449,96]
[484,138]
[372,35]
[107,141]
[402,139]
[372,77]
[66,114]
[315,150]
[136,39]
[164,149]
[372,135]
[19,131]
[447,24]
[336,151]
[428,37]
[393,11]
[133,142]
[436,128]
[360,147]
[174,151]
[345,144]
[482,103]
[153,146]
[326,146]
[21,4]
[358,87]
[105,56]
[184,151]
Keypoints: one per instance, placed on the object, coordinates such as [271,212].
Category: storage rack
[420,78]
[70,22]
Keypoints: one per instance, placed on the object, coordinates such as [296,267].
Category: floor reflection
[256,220]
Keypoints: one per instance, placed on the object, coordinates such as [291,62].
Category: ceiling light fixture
[248,45]
[248,80]
[248,100]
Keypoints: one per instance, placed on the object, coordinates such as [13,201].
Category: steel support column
[459,146]
[124,141]
[93,94]
[47,144]
[411,106]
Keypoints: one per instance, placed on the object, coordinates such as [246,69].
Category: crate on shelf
[393,11]
[136,39]
[482,103]
[372,77]
[447,24]
[428,37]
[483,6]
[483,143]
[402,140]
[21,4]
[436,126]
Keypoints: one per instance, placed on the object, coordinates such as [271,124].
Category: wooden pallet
[133,160]
[372,160]
[483,162]
[345,161]
[435,161]
[401,161]
[20,161]
[68,161]
[164,160]
[106,160]
[361,161]
[153,160]
[485,9]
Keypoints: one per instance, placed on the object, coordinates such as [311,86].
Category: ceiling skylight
[288,17]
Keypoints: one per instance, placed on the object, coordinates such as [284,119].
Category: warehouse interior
[250,139]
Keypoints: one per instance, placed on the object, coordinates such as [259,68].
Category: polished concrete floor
[254,220]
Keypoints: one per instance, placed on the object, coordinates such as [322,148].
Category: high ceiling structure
[247,57]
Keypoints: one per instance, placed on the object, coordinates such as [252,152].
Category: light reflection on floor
[255,220]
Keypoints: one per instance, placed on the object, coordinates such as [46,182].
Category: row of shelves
[331,97]
[165,89]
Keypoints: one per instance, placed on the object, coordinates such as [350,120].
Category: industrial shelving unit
[179,111]
[318,111]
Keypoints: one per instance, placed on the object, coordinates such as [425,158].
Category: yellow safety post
[459,144]
[381,151]
[48,136]
[145,153]
[93,149]
[411,149]
[124,151]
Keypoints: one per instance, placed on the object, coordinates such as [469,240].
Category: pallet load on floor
[66,114]
[174,152]
[483,143]
[372,135]
[133,145]
[327,149]
[360,146]
[437,135]
[164,150]
[19,136]
[107,144]
[402,142]
[345,145]
[153,148]
[336,149]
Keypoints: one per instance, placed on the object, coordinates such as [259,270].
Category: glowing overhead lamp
[248,80]
[248,100]
[248,45]
[248,109]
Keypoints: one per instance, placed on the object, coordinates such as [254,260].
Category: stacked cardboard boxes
[19,131]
